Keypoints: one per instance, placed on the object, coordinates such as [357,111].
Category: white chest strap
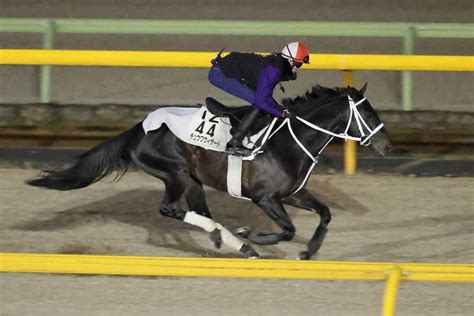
[234,176]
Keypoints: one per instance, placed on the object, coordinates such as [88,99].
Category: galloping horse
[275,177]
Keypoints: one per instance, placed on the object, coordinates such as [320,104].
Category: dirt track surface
[375,218]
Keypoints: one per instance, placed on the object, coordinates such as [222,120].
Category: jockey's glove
[287,114]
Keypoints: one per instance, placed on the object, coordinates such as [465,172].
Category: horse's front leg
[275,210]
[303,199]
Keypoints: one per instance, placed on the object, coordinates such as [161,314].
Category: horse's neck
[315,140]
[331,118]
[312,140]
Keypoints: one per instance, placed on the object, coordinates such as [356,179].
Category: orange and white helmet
[297,52]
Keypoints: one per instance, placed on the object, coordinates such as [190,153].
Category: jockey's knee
[214,75]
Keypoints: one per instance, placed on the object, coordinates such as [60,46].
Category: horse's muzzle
[383,148]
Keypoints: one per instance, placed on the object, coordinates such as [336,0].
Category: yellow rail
[229,268]
[242,268]
[202,60]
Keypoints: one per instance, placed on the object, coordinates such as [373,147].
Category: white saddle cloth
[196,126]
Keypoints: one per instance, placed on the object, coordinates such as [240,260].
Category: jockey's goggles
[297,64]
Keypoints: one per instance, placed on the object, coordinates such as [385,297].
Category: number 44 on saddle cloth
[196,126]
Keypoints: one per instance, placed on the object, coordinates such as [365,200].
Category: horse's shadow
[337,200]
[140,208]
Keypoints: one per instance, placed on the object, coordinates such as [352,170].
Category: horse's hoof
[216,238]
[304,255]
[248,252]
[243,232]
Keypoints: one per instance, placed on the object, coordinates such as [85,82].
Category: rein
[354,114]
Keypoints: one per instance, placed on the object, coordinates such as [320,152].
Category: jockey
[253,77]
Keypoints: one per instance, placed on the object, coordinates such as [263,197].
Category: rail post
[350,148]
[407,77]
[45,74]
[391,291]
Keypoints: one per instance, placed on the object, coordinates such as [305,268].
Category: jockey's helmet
[297,52]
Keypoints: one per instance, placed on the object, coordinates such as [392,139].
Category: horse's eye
[368,115]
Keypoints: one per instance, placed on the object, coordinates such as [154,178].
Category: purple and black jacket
[256,77]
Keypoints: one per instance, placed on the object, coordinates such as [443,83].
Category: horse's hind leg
[195,197]
[157,156]
[275,210]
[170,205]
[303,199]
[196,201]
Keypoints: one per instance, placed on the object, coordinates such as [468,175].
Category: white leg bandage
[209,225]
[201,221]
[229,239]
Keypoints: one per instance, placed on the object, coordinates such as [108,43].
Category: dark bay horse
[269,181]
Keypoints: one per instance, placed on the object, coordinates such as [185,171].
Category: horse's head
[346,112]
[364,122]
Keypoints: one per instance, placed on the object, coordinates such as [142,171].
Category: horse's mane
[314,98]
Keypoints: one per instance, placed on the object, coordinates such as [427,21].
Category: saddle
[235,115]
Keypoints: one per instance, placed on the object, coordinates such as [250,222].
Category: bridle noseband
[363,140]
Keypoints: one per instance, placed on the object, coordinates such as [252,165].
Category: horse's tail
[91,166]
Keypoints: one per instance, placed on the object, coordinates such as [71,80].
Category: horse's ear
[362,90]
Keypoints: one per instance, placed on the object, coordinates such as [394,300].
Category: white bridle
[361,124]
[354,114]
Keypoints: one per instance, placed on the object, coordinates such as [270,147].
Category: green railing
[408,31]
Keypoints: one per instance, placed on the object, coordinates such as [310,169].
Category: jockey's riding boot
[234,146]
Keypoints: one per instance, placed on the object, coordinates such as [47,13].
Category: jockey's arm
[269,78]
